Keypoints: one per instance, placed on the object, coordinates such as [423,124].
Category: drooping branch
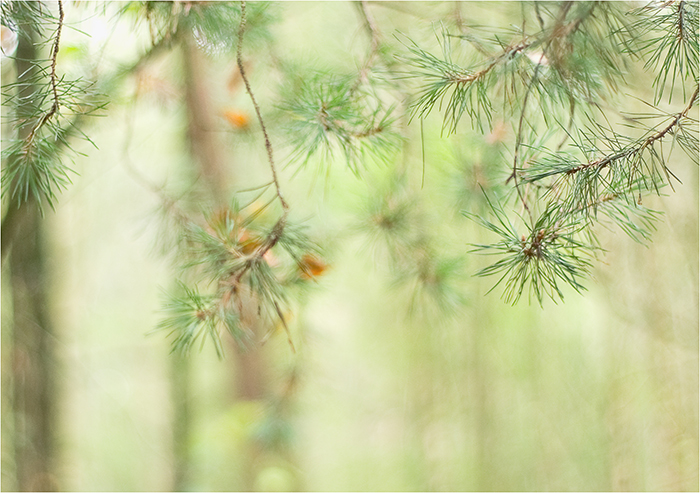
[371,25]
[560,31]
[268,145]
[466,89]
[278,228]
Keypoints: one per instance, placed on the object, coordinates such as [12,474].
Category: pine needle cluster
[394,224]
[333,115]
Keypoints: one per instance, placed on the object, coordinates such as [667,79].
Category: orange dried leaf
[237,119]
[311,267]
[248,243]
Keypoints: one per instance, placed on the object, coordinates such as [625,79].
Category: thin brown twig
[54,85]
[605,161]
[507,53]
[560,30]
[170,204]
[278,228]
[268,145]
[54,54]
[373,30]
[371,25]
[518,142]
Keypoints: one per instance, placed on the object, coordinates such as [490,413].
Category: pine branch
[560,30]
[229,251]
[569,78]
[518,143]
[327,115]
[371,26]
[253,263]
[35,167]
[539,260]
[641,146]
[170,205]
[673,49]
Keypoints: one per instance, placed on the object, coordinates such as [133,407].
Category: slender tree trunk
[213,167]
[207,152]
[180,394]
[32,355]
[205,144]
[33,362]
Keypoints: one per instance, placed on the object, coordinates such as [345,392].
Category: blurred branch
[373,30]
[371,25]
[278,228]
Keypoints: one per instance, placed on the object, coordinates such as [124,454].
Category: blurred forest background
[388,387]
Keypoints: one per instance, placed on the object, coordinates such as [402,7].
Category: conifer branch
[642,145]
[328,115]
[170,204]
[673,47]
[371,25]
[518,143]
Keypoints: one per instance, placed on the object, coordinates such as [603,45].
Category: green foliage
[393,223]
[387,220]
[671,44]
[331,114]
[44,109]
[248,269]
[466,87]
[192,316]
[557,77]
[34,171]
[571,67]
[571,60]
[212,23]
[24,18]
[550,252]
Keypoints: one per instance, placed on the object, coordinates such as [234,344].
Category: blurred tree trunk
[480,382]
[180,375]
[207,153]
[32,354]
[205,146]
